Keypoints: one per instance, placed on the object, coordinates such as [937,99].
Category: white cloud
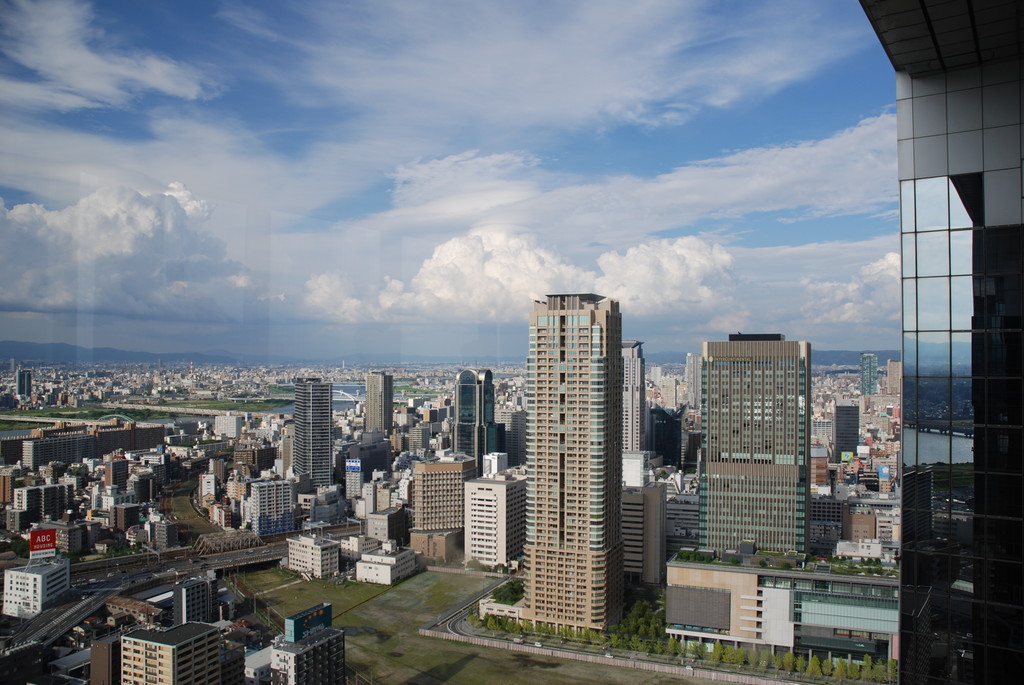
[78,64]
[871,296]
[682,276]
[492,274]
[570,63]
[115,251]
[848,173]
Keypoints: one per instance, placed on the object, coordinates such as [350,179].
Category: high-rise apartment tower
[756,443]
[380,400]
[958,127]
[312,448]
[574,550]
[634,397]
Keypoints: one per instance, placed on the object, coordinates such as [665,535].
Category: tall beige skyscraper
[574,550]
[756,443]
[380,400]
[634,397]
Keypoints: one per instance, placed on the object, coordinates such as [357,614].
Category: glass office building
[476,433]
[958,78]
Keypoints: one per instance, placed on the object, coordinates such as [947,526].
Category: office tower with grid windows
[476,433]
[756,443]
[634,397]
[868,373]
[312,450]
[958,126]
[574,548]
[845,429]
[380,400]
[24,382]
[514,422]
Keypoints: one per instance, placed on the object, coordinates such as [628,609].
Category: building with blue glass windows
[475,432]
[959,88]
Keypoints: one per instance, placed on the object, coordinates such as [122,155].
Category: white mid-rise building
[386,566]
[313,555]
[353,547]
[30,590]
[495,462]
[496,518]
[228,426]
[636,468]
[207,486]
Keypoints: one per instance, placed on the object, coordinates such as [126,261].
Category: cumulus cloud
[77,64]
[871,296]
[116,251]
[493,273]
[685,276]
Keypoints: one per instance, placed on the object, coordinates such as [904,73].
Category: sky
[323,179]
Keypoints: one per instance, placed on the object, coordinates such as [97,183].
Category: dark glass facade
[476,434]
[959,147]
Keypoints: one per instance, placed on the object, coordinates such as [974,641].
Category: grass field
[190,524]
[382,641]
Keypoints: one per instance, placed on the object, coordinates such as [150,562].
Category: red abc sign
[40,540]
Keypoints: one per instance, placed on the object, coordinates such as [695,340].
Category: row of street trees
[642,631]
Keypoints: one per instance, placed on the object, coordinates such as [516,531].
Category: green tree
[801,664]
[675,646]
[841,671]
[729,655]
[777,661]
[696,650]
[893,670]
[764,658]
[853,669]
[878,673]
[814,666]
[866,664]
[752,657]
[717,652]
[826,667]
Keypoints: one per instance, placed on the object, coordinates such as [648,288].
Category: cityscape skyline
[674,166]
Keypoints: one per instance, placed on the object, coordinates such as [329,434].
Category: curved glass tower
[476,434]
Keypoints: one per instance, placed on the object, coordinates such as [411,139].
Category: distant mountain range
[64,353]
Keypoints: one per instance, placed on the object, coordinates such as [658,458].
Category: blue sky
[321,179]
